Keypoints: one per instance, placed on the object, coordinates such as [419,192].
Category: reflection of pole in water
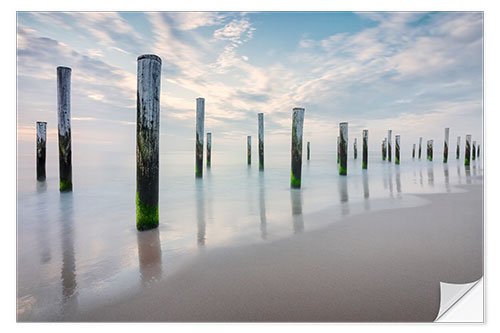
[398,180]
[262,207]
[421,177]
[344,195]
[467,174]
[366,190]
[446,178]
[298,220]
[43,223]
[149,247]
[68,269]
[200,212]
[430,174]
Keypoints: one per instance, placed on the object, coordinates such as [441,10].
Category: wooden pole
[413,152]
[396,159]
[41,140]
[64,128]
[249,150]
[445,149]
[355,146]
[261,140]
[419,147]
[200,128]
[389,145]
[467,149]
[297,130]
[473,150]
[343,149]
[209,149]
[148,141]
[365,149]
[458,148]
[308,150]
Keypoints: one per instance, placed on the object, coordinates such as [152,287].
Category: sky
[414,73]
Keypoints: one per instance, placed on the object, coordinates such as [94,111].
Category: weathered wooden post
[308,150]
[467,149]
[343,149]
[41,140]
[458,147]
[419,147]
[209,149]
[384,149]
[297,127]
[428,148]
[148,140]
[261,140]
[365,149]
[355,146]
[478,147]
[473,150]
[413,152]
[338,149]
[389,145]
[200,128]
[249,150]
[445,149]
[431,149]
[64,128]
[396,158]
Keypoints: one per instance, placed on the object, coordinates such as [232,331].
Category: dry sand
[379,266]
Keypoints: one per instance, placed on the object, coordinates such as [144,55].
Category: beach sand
[377,266]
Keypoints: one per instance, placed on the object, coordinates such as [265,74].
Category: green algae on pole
[473,150]
[389,145]
[365,149]
[338,149]
[445,149]
[64,128]
[343,149]
[41,143]
[384,149]
[249,150]
[431,149]
[148,141]
[396,157]
[261,140]
[419,147]
[458,147]
[209,149]
[297,129]
[200,123]
[467,149]
[413,152]
[355,146]
[308,150]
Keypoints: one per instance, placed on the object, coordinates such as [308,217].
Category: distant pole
[249,150]
[473,150]
[383,150]
[458,147]
[355,146]
[396,159]
[41,140]
[428,149]
[148,141]
[338,149]
[478,147]
[343,149]
[261,140]
[209,149]
[389,145]
[413,152]
[445,149]
[308,150]
[419,147]
[64,128]
[467,149]
[297,127]
[365,149]
[200,128]
[431,150]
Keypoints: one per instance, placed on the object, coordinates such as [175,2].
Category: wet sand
[378,266]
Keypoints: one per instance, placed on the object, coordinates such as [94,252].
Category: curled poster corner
[450,294]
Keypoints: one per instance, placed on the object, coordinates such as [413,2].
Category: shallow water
[81,249]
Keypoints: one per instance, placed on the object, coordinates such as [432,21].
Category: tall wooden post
[261,140]
[308,150]
[458,147]
[431,149]
[365,149]
[413,152]
[396,159]
[467,149]
[249,150]
[338,149]
[297,127]
[209,149]
[478,147]
[389,145]
[200,128]
[64,128]
[473,150]
[41,140]
[355,146]
[343,149]
[383,150]
[148,141]
[445,149]
[419,147]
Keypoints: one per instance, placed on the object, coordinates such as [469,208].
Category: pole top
[41,122]
[200,99]
[299,109]
[149,56]
[344,123]
[63,68]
